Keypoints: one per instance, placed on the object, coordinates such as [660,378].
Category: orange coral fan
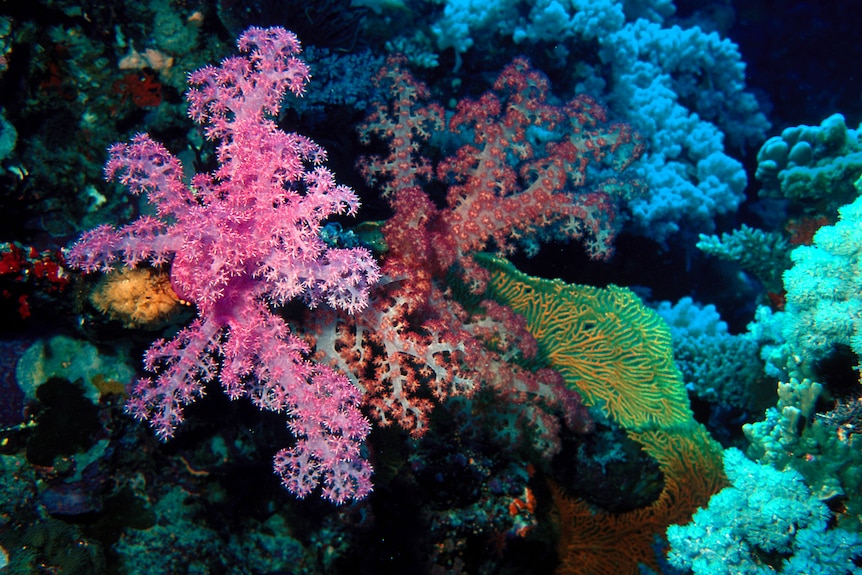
[604,342]
[597,542]
[138,297]
[617,354]
[593,539]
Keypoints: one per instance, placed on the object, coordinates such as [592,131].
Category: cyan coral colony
[240,241]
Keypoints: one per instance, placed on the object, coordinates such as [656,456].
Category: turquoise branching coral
[824,288]
[767,521]
[824,312]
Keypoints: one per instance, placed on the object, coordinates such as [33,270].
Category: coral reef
[429,407]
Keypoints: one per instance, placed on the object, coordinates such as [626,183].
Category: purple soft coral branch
[247,87]
[238,240]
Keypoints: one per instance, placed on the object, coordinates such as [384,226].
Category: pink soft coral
[238,241]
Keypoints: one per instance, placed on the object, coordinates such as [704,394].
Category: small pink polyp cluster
[238,241]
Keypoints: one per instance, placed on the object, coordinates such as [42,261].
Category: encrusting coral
[138,297]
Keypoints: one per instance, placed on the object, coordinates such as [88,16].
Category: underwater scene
[430,287]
